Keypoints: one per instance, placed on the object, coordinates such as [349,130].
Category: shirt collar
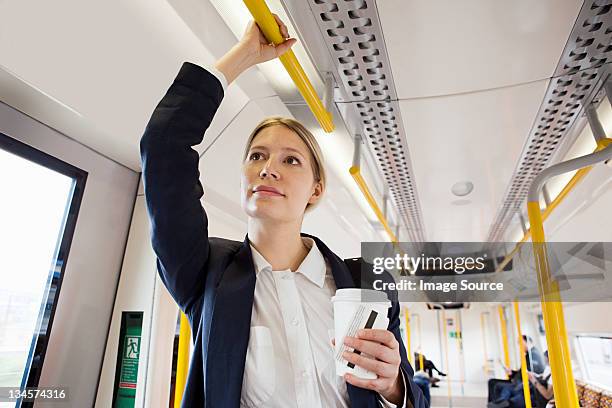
[312,267]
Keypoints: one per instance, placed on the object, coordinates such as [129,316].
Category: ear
[317,193]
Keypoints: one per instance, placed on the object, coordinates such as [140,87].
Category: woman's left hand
[385,361]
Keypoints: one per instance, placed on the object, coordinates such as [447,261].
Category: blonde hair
[318,168]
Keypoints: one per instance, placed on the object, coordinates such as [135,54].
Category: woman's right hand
[252,49]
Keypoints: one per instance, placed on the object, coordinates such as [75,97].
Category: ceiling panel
[446,47]
[109,63]
[474,137]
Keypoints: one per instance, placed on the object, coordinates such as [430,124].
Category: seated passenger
[509,393]
[429,367]
[542,386]
[422,380]
[535,358]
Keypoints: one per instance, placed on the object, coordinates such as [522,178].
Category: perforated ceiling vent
[579,73]
[352,33]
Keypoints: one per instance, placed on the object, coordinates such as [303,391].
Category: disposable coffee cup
[356,309]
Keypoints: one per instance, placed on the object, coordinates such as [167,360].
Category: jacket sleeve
[179,226]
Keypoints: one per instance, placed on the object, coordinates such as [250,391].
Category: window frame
[584,370]
[79,176]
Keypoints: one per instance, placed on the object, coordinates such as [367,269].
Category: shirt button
[295,321]
[285,277]
[305,374]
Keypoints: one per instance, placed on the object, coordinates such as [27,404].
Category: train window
[596,359]
[40,199]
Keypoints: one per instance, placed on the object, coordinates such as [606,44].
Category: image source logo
[484,272]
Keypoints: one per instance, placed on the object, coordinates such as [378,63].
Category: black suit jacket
[212,279]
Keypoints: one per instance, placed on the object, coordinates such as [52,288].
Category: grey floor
[472,395]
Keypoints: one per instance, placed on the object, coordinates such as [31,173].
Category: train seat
[591,397]
[606,399]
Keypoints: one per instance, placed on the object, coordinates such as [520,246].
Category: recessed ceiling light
[462,188]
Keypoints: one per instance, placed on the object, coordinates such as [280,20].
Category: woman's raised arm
[179,225]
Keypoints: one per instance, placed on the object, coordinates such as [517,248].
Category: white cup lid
[360,295]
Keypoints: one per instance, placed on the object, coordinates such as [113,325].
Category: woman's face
[277,177]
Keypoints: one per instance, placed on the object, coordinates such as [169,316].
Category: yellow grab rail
[483,328]
[504,333]
[182,363]
[268,25]
[421,358]
[460,345]
[552,306]
[578,176]
[524,377]
[407,318]
[446,366]
[356,174]
[554,320]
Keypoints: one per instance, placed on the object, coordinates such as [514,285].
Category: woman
[260,310]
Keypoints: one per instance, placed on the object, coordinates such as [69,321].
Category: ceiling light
[462,188]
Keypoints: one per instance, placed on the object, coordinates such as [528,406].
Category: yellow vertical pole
[484,341]
[182,363]
[504,334]
[420,348]
[446,356]
[524,377]
[460,346]
[554,320]
[421,362]
[408,348]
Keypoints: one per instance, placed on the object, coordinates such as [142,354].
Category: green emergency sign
[128,358]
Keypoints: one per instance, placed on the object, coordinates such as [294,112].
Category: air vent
[352,33]
[579,72]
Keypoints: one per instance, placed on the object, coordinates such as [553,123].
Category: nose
[269,171]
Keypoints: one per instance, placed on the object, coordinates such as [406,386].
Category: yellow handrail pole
[552,308]
[446,355]
[268,25]
[417,318]
[524,376]
[182,363]
[462,356]
[356,174]
[407,319]
[421,362]
[484,341]
[578,176]
[504,333]
[421,358]
[554,320]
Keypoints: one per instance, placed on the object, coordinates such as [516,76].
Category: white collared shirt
[290,360]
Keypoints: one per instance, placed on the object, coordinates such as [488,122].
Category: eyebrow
[291,149]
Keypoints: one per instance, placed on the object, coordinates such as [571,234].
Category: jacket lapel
[231,323]
[229,332]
